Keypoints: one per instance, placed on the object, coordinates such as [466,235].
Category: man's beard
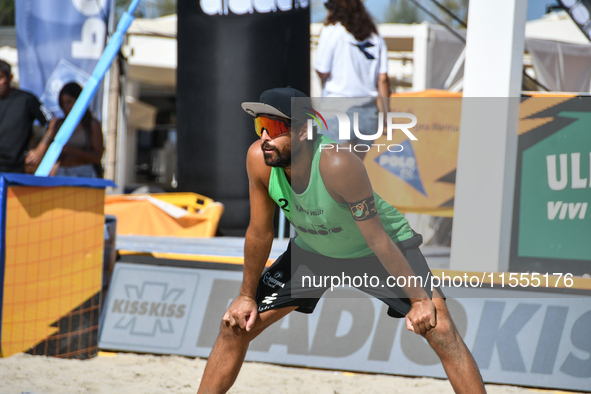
[277,158]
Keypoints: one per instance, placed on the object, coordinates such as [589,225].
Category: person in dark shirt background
[81,155]
[18,111]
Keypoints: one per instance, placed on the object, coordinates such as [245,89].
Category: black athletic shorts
[281,284]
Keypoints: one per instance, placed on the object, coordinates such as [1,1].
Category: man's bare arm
[258,241]
[347,181]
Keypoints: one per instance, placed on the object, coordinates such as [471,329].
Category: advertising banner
[532,338]
[59,41]
[421,177]
[552,219]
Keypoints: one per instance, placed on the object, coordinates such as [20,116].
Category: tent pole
[112,121]
[111,91]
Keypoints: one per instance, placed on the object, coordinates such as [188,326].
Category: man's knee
[234,333]
[444,334]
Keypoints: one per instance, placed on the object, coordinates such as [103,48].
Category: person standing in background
[18,111]
[352,61]
[81,155]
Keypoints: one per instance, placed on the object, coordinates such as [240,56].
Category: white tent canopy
[555,26]
[421,55]
[561,66]
[151,50]
[560,52]
[165,26]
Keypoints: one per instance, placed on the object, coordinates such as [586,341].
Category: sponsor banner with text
[551,215]
[538,339]
[60,41]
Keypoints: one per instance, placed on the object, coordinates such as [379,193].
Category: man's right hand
[242,312]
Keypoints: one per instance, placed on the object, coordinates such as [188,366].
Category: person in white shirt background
[352,61]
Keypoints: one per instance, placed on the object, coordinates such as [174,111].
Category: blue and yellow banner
[421,177]
[59,41]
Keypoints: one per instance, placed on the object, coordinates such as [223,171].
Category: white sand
[145,374]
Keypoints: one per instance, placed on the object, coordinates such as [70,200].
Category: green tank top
[325,226]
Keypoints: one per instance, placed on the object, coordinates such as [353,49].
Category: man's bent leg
[230,348]
[461,369]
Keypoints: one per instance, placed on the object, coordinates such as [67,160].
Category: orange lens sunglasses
[274,127]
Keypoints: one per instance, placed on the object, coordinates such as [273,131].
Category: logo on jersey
[320,229]
[311,212]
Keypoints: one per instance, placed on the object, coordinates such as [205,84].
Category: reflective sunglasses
[273,127]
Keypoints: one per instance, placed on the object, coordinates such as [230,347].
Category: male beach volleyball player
[341,224]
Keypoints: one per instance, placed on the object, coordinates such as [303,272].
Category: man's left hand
[422,316]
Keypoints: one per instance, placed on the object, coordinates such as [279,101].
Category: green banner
[554,215]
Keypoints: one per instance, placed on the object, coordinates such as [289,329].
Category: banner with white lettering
[531,338]
[59,41]
[551,214]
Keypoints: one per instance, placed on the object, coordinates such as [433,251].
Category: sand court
[113,373]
